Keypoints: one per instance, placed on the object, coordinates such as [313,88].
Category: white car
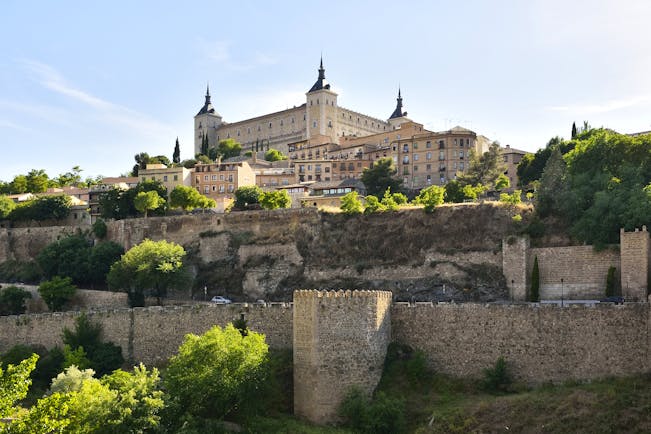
[220,300]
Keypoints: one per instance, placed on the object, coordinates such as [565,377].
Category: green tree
[217,373]
[205,145]
[380,177]
[350,203]
[484,169]
[142,159]
[388,201]
[14,384]
[12,300]
[246,196]
[373,205]
[147,201]
[550,193]
[19,184]
[534,293]
[502,182]
[37,181]
[611,281]
[102,256]
[229,148]
[69,178]
[150,265]
[574,130]
[57,292]
[512,199]
[100,229]
[275,199]
[6,207]
[430,197]
[274,155]
[188,198]
[67,257]
[52,207]
[176,156]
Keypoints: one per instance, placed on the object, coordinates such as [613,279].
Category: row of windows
[220,188]
[213,177]
[442,167]
[428,144]
[317,168]
[165,178]
[428,156]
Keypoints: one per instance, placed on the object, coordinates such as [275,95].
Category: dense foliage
[431,197]
[119,204]
[188,198]
[14,384]
[154,266]
[275,199]
[12,300]
[42,208]
[380,177]
[274,155]
[57,292]
[351,204]
[247,196]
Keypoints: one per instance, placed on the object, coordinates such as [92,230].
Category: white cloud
[603,107]
[104,111]
[220,52]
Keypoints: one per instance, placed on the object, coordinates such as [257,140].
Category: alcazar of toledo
[329,143]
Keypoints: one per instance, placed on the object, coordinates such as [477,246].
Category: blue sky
[93,83]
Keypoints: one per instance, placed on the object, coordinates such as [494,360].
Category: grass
[441,404]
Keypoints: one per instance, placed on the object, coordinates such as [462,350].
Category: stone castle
[319,117]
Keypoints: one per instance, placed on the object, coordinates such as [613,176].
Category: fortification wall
[636,257]
[340,340]
[582,269]
[540,343]
[23,244]
[150,335]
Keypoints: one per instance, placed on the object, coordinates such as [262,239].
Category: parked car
[220,300]
[614,299]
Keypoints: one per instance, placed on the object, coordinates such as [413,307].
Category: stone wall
[23,244]
[150,335]
[540,343]
[340,341]
[514,266]
[635,259]
[582,269]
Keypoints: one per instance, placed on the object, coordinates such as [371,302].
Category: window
[461,165]
[269,125]
[415,168]
[238,133]
[214,177]
[198,179]
[164,178]
[405,148]
[329,124]
[281,122]
[214,188]
[428,156]
[415,145]
[506,158]
[230,178]
[415,157]
[429,179]
[206,189]
[461,155]
[327,169]
[176,177]
[405,159]
[441,155]
[314,124]
[221,188]
[230,188]
[441,144]
[428,144]
[455,142]
[221,177]
[428,167]
[205,177]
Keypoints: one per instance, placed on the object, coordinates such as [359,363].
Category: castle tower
[206,122]
[340,341]
[399,116]
[321,108]
[635,251]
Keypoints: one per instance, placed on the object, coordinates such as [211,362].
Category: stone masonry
[340,341]
[635,248]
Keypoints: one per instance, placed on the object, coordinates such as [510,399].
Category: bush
[49,363]
[350,203]
[512,199]
[382,415]
[373,205]
[275,199]
[100,229]
[57,292]
[497,379]
[17,271]
[431,197]
[247,196]
[12,300]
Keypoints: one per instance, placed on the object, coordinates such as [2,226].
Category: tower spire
[321,82]
[207,106]
[398,113]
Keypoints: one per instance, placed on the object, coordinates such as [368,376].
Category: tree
[611,281]
[380,177]
[573,130]
[67,257]
[274,155]
[147,201]
[6,207]
[176,156]
[246,196]
[102,256]
[388,201]
[275,199]
[69,178]
[19,184]
[217,373]
[229,148]
[373,205]
[37,181]
[14,384]
[512,199]
[550,193]
[150,265]
[12,300]
[350,203]
[100,229]
[534,293]
[57,292]
[141,163]
[52,207]
[188,198]
[486,168]
[205,145]
[431,197]
[502,182]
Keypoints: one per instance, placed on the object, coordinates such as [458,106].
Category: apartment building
[169,177]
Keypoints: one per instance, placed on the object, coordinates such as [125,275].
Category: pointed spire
[398,113]
[321,82]
[207,106]
[207,93]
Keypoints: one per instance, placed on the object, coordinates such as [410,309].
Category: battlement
[343,293]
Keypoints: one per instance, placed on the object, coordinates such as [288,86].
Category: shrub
[381,415]
[17,271]
[12,300]
[431,197]
[350,203]
[275,199]
[247,196]
[534,293]
[100,229]
[497,379]
[389,202]
[373,205]
[57,292]
[611,282]
[512,199]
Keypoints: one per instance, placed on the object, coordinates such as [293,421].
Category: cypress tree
[573,130]
[534,294]
[176,156]
[204,145]
[610,282]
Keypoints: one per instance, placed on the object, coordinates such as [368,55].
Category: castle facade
[319,118]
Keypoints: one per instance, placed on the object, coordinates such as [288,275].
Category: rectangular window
[428,144]
[441,155]
[506,158]
[176,177]
[206,189]
[415,145]
[428,167]
[221,188]
[230,178]
[230,188]
[214,188]
[221,177]
[428,156]
[214,177]
[415,157]
[461,165]
[164,178]
[415,168]
[205,177]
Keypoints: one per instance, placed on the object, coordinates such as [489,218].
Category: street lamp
[561,292]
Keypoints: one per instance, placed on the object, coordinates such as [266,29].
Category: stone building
[319,115]
[220,180]
[169,177]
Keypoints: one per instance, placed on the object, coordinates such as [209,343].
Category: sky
[91,84]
